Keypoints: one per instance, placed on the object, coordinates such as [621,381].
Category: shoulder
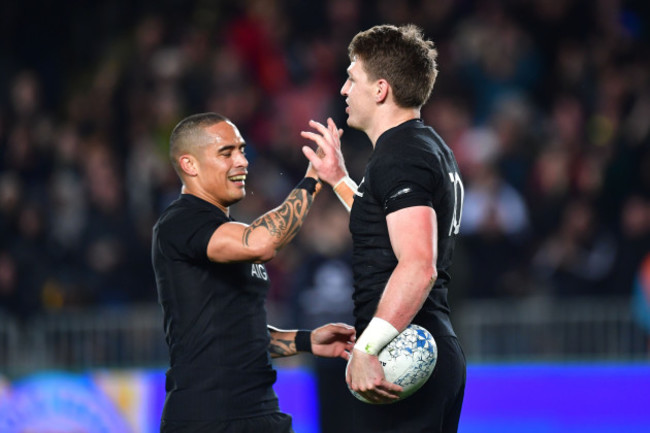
[186,226]
[412,137]
[419,147]
[188,212]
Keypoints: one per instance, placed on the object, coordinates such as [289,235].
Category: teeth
[238,178]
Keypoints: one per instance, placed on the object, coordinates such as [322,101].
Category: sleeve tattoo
[279,347]
[283,222]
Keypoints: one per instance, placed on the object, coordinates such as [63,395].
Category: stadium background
[545,103]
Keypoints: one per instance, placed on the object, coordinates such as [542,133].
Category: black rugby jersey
[410,166]
[214,320]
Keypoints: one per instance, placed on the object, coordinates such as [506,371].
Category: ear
[188,164]
[381,91]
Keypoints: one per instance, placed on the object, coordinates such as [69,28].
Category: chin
[237,197]
[354,125]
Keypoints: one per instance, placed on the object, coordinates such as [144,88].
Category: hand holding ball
[408,360]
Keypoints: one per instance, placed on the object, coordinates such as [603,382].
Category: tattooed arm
[331,340]
[283,343]
[260,241]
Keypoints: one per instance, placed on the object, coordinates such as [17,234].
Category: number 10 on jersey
[459,193]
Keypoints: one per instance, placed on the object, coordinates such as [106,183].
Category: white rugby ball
[408,360]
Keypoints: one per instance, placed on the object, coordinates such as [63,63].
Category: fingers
[338,332]
[311,156]
[336,132]
[319,126]
[330,134]
[345,327]
[335,324]
[385,392]
[330,164]
[316,138]
[365,376]
[332,127]
[344,330]
[325,137]
[379,397]
[391,388]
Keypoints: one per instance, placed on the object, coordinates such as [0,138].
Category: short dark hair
[401,56]
[186,134]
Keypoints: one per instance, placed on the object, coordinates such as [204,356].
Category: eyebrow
[227,147]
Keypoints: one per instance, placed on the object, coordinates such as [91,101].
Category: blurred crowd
[546,104]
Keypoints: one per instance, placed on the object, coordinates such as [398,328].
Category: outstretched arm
[332,340]
[260,241]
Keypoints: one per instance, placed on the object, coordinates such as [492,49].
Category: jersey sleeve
[400,181]
[187,234]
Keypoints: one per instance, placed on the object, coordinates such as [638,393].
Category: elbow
[431,275]
[264,252]
[260,246]
[422,273]
[267,256]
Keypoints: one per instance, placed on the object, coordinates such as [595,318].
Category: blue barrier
[531,398]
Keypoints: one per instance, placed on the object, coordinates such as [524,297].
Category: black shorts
[434,408]
[274,423]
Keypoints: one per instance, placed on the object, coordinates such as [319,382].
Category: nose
[241,160]
[344,89]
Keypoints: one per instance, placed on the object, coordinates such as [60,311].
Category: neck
[390,118]
[200,194]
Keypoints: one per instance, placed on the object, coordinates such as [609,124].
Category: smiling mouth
[238,178]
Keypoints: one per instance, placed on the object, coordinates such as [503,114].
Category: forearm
[403,297]
[405,293]
[285,343]
[414,237]
[279,226]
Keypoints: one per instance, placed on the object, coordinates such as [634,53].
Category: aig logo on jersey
[259,271]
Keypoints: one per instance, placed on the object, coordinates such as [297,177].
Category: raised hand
[327,160]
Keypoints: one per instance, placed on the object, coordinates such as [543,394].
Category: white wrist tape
[351,184]
[376,336]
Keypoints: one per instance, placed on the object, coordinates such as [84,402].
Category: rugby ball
[408,360]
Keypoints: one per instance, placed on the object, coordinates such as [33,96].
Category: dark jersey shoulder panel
[410,166]
[214,320]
